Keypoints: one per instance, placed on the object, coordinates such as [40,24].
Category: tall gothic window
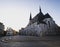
[49,23]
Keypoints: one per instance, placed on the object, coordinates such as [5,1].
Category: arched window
[49,23]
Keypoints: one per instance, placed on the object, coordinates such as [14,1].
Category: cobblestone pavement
[29,41]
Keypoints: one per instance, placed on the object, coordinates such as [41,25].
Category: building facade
[1,29]
[11,32]
[40,25]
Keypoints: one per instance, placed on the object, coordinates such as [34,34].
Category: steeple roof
[30,17]
[40,9]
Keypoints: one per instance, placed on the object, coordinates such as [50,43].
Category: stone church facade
[40,25]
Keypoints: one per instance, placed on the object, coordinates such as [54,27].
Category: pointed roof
[40,9]
[47,16]
[39,17]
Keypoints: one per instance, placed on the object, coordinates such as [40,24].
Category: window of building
[49,23]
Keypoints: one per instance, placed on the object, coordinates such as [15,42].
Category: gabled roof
[40,17]
[47,16]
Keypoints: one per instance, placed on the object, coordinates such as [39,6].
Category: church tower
[30,20]
[30,17]
[40,10]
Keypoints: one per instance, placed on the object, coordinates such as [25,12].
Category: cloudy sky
[16,13]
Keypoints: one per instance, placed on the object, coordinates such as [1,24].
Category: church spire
[30,17]
[40,9]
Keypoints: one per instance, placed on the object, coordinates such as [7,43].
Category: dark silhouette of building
[1,29]
[40,25]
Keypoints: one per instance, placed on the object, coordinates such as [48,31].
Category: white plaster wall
[40,29]
[37,29]
[52,27]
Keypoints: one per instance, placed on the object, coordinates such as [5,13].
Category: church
[40,25]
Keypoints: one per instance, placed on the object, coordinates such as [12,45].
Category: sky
[16,13]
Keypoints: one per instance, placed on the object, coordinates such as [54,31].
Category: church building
[40,25]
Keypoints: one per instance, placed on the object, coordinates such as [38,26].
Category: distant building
[40,25]
[22,31]
[1,26]
[15,32]
[10,32]
[1,29]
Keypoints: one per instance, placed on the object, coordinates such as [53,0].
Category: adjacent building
[1,29]
[10,32]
